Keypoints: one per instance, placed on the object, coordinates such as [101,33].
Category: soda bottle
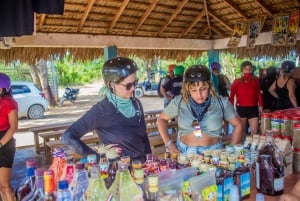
[79,183]
[38,190]
[49,185]
[63,193]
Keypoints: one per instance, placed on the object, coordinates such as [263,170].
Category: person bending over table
[200,113]
[118,118]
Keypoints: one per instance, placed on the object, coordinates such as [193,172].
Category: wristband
[168,143]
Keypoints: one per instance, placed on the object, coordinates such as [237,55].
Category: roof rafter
[204,28]
[264,7]
[85,14]
[146,14]
[195,21]
[207,17]
[118,14]
[220,21]
[42,19]
[216,30]
[235,8]
[175,13]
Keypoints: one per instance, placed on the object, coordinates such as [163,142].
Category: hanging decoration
[280,29]
[293,28]
[238,31]
[254,28]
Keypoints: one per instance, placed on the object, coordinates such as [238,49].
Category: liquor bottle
[96,190]
[124,187]
[103,164]
[112,171]
[270,168]
[63,193]
[38,190]
[79,183]
[91,161]
[49,185]
[26,186]
[242,179]
[152,188]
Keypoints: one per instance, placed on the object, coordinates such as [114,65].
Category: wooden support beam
[203,29]
[85,14]
[195,21]
[41,22]
[216,30]
[264,7]
[207,17]
[220,21]
[236,8]
[145,16]
[175,13]
[117,16]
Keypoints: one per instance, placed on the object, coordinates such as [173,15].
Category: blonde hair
[187,85]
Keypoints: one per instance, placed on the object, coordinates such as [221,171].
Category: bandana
[199,110]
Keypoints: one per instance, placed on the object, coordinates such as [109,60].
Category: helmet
[287,66]
[119,67]
[215,66]
[178,70]
[171,68]
[4,81]
[197,73]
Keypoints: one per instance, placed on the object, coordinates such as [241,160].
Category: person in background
[198,111]
[269,101]
[222,86]
[283,88]
[164,81]
[245,94]
[293,195]
[8,127]
[118,118]
[174,85]
[296,77]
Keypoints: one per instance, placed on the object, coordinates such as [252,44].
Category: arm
[13,126]
[293,195]
[291,86]
[237,133]
[260,100]
[162,124]
[272,90]
[233,92]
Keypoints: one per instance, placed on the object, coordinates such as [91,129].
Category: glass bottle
[49,185]
[91,161]
[63,192]
[26,186]
[38,190]
[124,187]
[79,183]
[270,168]
[242,178]
[96,190]
[152,188]
[103,164]
[112,171]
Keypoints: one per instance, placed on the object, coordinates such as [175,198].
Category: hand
[173,148]
[289,197]
[115,148]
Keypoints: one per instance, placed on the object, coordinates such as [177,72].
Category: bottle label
[228,182]
[257,176]
[278,184]
[245,184]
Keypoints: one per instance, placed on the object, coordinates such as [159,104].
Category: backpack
[162,79]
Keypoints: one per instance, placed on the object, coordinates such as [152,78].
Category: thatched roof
[178,19]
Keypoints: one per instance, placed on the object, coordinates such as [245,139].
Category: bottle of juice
[79,183]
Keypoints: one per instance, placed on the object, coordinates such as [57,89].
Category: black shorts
[7,153]
[248,112]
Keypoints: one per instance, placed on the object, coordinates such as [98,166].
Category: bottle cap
[31,163]
[260,197]
[63,184]
[79,166]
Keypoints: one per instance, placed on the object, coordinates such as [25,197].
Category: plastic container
[275,124]
[296,162]
[296,138]
[265,122]
[286,127]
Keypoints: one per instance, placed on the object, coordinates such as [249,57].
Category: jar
[275,124]
[294,119]
[265,121]
[296,138]
[286,129]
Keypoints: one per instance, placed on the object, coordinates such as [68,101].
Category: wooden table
[46,128]
[289,182]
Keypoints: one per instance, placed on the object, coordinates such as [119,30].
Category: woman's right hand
[173,148]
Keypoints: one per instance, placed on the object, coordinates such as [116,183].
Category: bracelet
[168,143]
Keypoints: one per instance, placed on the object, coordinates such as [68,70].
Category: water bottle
[234,193]
[63,193]
[260,197]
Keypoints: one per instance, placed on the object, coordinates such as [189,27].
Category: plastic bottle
[63,193]
[152,188]
[234,193]
[49,185]
[26,186]
[91,161]
[79,183]
[38,190]
[112,171]
[259,197]
[124,186]
[96,190]
[270,168]
[69,170]
[58,164]
[242,178]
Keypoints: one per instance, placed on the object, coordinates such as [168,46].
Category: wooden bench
[51,145]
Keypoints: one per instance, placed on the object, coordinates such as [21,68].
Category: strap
[222,106]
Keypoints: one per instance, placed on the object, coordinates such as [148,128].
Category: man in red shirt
[246,96]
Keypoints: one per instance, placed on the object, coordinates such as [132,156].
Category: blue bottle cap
[63,184]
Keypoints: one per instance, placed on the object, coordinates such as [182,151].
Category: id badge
[197,130]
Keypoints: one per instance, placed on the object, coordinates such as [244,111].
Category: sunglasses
[128,86]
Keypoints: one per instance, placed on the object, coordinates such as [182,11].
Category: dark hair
[246,63]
